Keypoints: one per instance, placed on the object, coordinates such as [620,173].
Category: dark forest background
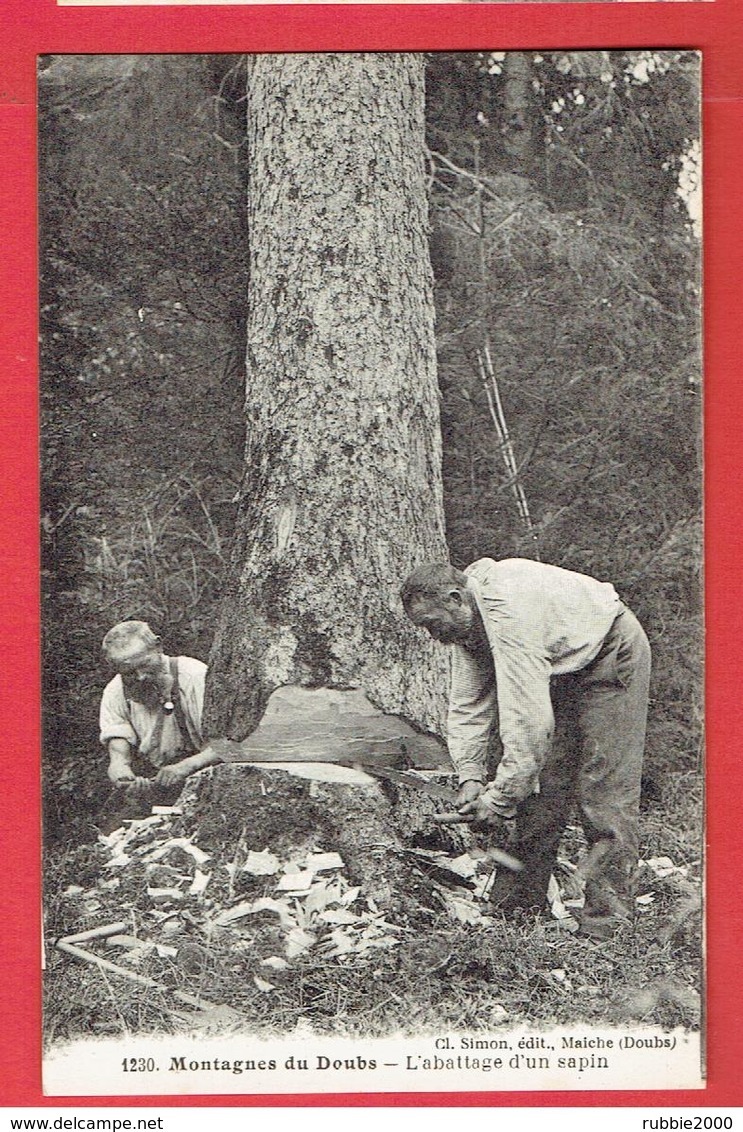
[567,295]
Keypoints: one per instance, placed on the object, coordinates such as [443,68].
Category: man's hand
[172,775]
[122,775]
[480,814]
[469,792]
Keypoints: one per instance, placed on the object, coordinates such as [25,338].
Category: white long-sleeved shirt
[122,718]
[540,621]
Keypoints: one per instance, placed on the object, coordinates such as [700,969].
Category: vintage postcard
[314,311]
[371,381]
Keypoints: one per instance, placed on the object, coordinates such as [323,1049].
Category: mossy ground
[442,975]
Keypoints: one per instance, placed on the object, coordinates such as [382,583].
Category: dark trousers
[596,766]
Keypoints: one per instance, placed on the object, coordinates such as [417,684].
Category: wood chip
[117,862]
[199,856]
[298,941]
[296,882]
[339,916]
[323,862]
[463,865]
[199,883]
[463,910]
[263,864]
[319,896]
[342,942]
[275,962]
[165,893]
[236,912]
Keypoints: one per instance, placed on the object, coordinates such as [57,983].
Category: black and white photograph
[371,544]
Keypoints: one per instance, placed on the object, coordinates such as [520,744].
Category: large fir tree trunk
[342,490]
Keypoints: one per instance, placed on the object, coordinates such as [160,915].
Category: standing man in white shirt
[528,638]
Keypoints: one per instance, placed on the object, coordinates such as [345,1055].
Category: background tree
[590,298]
[142,357]
[342,489]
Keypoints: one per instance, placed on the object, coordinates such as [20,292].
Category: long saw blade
[409,778]
[435,790]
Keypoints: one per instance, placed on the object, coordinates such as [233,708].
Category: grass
[443,975]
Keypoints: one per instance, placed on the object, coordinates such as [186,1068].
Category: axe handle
[500,857]
[496,855]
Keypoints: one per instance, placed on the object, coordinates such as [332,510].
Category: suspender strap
[175,699]
[175,696]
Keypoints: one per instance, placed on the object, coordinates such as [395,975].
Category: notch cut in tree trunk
[335,726]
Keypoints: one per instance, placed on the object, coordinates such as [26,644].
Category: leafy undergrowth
[285,937]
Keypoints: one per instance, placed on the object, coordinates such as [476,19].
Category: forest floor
[300,917]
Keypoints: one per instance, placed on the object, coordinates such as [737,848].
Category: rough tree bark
[342,490]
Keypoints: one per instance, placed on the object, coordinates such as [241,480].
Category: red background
[32,27]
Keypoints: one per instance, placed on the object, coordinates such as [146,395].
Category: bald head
[432,581]
[436,598]
[136,653]
[127,639]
